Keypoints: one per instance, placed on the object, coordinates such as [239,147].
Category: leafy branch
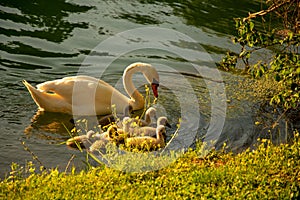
[284,67]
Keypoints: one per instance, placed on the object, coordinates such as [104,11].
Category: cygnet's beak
[168,125]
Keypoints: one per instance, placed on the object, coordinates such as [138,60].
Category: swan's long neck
[136,98]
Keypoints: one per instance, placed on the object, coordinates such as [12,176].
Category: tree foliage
[279,31]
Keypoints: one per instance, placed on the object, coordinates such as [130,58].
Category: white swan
[85,95]
[147,142]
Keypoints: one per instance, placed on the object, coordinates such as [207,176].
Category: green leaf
[251,26]
[290,34]
[277,77]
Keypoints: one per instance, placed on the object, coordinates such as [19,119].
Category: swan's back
[79,95]
[65,86]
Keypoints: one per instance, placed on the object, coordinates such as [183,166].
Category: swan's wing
[88,78]
[64,87]
[86,94]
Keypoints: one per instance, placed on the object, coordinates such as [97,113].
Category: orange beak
[154,89]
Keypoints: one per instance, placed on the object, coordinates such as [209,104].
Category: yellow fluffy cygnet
[83,140]
[112,135]
[150,115]
[147,142]
[116,118]
[147,130]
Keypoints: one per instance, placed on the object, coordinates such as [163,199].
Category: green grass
[269,172]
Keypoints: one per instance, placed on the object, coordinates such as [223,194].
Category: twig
[277,120]
[69,162]
[264,12]
[76,143]
[174,135]
[26,148]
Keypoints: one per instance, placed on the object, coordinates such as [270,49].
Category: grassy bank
[265,173]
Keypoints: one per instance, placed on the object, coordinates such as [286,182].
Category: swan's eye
[154,81]
[50,92]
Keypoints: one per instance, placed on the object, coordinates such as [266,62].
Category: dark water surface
[45,40]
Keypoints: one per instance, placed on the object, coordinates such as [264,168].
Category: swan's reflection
[50,126]
[59,126]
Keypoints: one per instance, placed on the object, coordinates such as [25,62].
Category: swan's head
[149,72]
[154,86]
[151,76]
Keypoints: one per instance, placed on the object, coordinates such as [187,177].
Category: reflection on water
[46,20]
[39,20]
[214,14]
[46,125]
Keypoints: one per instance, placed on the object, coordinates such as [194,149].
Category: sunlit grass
[268,172]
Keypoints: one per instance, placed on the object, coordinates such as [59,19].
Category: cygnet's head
[128,110]
[163,121]
[151,112]
[113,132]
[126,123]
[90,134]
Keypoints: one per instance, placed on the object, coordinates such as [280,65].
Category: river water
[47,40]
